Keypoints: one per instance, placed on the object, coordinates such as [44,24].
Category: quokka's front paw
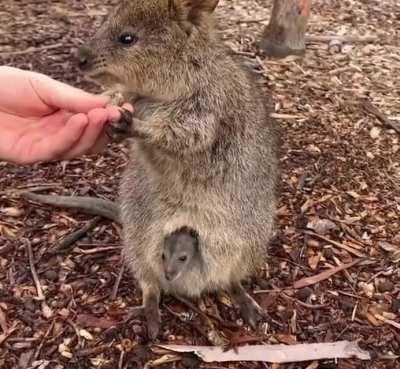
[122,129]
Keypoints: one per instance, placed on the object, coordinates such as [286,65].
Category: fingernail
[114,114]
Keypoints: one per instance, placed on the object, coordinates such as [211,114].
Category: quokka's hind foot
[153,322]
[150,311]
[250,311]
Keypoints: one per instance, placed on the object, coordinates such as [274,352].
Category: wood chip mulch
[339,109]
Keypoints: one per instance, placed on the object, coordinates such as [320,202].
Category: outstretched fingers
[97,118]
[55,143]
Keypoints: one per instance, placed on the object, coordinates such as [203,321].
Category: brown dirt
[340,180]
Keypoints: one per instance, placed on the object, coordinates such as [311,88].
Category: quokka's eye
[127,38]
[183,258]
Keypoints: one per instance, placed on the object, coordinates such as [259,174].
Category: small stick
[39,348]
[349,294]
[6,248]
[5,335]
[32,188]
[304,304]
[372,109]
[76,330]
[70,240]
[348,39]
[244,53]
[93,350]
[35,277]
[335,243]
[345,272]
[248,21]
[32,50]
[278,290]
[114,292]
[353,315]
[121,359]
[98,250]
[387,321]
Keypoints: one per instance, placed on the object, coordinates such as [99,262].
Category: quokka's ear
[192,11]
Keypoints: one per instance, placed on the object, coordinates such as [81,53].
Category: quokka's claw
[120,130]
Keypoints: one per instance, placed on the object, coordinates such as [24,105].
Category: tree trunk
[285,33]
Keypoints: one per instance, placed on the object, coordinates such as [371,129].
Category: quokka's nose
[84,57]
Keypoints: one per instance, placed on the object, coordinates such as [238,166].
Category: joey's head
[180,253]
[153,48]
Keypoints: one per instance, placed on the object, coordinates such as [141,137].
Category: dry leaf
[85,334]
[46,311]
[321,226]
[12,212]
[375,133]
[314,260]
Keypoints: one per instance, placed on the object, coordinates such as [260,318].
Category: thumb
[59,95]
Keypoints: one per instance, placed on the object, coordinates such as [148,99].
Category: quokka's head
[153,48]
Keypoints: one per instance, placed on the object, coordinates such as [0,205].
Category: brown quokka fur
[203,150]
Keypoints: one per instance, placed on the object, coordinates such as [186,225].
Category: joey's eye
[163,256]
[127,38]
[183,258]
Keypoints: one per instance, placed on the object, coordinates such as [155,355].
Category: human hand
[42,119]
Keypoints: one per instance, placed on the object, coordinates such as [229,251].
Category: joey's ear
[192,11]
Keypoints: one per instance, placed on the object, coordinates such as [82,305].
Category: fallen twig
[248,21]
[69,240]
[93,350]
[351,250]
[114,292]
[346,39]
[5,335]
[285,116]
[308,281]
[276,353]
[372,109]
[304,304]
[40,295]
[6,249]
[387,321]
[32,50]
[16,192]
[97,250]
[39,347]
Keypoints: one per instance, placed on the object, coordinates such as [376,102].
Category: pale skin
[42,119]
